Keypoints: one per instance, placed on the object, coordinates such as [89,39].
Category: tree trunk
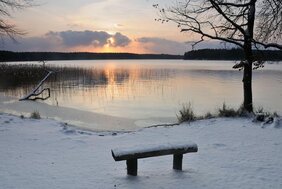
[247,83]
[247,78]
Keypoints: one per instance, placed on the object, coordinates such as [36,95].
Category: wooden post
[132,167]
[177,161]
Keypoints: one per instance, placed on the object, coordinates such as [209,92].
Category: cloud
[210,44]
[44,43]
[120,40]
[100,40]
[161,45]
[67,40]
[90,38]
[83,38]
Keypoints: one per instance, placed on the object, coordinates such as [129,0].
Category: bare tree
[6,6]
[10,30]
[247,24]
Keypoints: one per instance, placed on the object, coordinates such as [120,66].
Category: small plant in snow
[209,115]
[227,112]
[35,115]
[186,113]
[264,116]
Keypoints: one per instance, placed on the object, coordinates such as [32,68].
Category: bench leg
[132,167]
[177,161]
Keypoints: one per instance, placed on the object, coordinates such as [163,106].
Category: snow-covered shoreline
[83,119]
[233,153]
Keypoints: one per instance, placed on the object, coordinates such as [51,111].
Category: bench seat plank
[146,151]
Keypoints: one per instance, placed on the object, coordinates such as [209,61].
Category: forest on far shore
[202,54]
[232,54]
[9,56]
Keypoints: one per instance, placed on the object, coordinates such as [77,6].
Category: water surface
[143,89]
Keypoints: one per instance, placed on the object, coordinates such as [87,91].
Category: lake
[142,89]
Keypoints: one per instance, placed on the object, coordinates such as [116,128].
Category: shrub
[264,116]
[186,113]
[261,111]
[227,112]
[209,115]
[35,115]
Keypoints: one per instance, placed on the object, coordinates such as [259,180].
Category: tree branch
[221,12]
[268,45]
[6,6]
[34,91]
[214,37]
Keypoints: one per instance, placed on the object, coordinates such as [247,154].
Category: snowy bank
[233,153]
[85,119]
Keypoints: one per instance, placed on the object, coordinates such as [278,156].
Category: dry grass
[186,114]
[35,115]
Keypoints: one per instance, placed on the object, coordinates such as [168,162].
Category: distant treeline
[9,56]
[202,54]
[231,54]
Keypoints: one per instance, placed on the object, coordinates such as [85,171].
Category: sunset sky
[96,26]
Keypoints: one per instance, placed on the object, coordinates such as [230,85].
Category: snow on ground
[233,153]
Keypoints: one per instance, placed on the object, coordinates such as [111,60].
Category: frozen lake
[142,89]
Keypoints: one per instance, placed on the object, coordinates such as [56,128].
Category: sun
[111,41]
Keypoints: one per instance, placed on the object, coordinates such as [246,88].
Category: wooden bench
[131,155]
